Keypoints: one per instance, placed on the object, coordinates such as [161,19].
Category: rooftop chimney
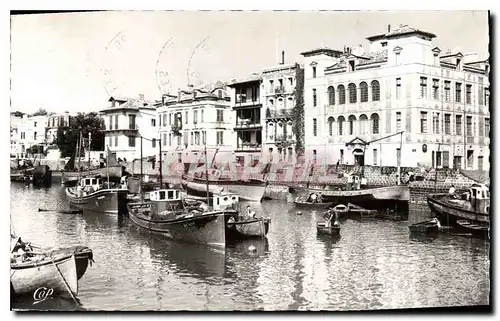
[388,28]
[283,57]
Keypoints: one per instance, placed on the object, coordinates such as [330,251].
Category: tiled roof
[322,50]
[405,29]
[367,58]
[251,78]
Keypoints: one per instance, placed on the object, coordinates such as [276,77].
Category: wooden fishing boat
[371,198]
[473,206]
[71,177]
[57,273]
[322,228]
[199,224]
[429,227]
[479,230]
[249,190]
[90,194]
[358,211]
[311,205]
[247,228]
[83,257]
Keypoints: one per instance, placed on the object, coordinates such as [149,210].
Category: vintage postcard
[250,160]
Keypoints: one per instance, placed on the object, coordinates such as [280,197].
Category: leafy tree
[67,137]
[36,149]
[40,112]
[17,114]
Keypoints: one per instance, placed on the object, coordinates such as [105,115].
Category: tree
[17,114]
[40,112]
[67,137]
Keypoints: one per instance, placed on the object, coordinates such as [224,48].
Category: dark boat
[479,230]
[429,226]
[371,198]
[92,194]
[311,205]
[247,228]
[83,255]
[473,206]
[322,228]
[199,224]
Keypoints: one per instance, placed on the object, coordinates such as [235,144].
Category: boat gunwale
[178,220]
[45,261]
[431,198]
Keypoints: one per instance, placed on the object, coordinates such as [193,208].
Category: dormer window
[314,71]
[397,55]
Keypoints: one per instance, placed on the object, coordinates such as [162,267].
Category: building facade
[282,89]
[246,103]
[27,132]
[195,118]
[53,123]
[130,124]
[434,106]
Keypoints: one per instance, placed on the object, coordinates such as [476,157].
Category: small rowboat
[475,229]
[249,228]
[327,230]
[340,209]
[429,226]
[311,205]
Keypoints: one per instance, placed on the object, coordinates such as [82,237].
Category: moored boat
[323,228]
[247,228]
[72,177]
[371,198]
[479,230]
[247,189]
[473,206]
[299,203]
[425,227]
[200,224]
[92,194]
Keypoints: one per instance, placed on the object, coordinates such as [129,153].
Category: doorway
[359,157]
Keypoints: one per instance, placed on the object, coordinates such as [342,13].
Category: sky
[75,61]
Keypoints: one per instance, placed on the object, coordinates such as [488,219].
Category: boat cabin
[165,199]
[225,201]
[91,182]
[479,198]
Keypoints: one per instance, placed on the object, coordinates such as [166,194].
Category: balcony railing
[281,113]
[279,90]
[247,123]
[248,146]
[133,127]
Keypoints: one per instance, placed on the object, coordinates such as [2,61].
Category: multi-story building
[402,83]
[30,131]
[129,123]
[282,91]
[55,121]
[246,103]
[195,118]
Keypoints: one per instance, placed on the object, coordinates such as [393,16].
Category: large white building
[193,118]
[55,121]
[401,82]
[26,132]
[126,121]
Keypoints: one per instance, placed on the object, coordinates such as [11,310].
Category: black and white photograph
[250,160]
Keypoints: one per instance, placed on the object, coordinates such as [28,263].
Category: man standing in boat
[452,191]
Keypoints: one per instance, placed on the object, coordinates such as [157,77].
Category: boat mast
[107,164]
[79,152]
[90,140]
[206,175]
[140,176]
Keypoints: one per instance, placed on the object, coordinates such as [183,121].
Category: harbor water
[375,264]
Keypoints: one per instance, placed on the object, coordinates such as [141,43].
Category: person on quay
[313,197]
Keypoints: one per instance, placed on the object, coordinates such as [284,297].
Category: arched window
[351,120]
[341,121]
[363,122]
[375,122]
[330,125]
[375,90]
[363,88]
[352,93]
[341,92]
[331,95]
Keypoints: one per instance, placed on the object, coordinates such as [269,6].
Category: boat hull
[480,231]
[370,198]
[332,231]
[28,278]
[424,228]
[208,228]
[105,201]
[309,205]
[253,191]
[251,228]
[71,177]
[448,213]
[83,257]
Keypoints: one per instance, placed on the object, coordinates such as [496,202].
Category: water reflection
[374,264]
